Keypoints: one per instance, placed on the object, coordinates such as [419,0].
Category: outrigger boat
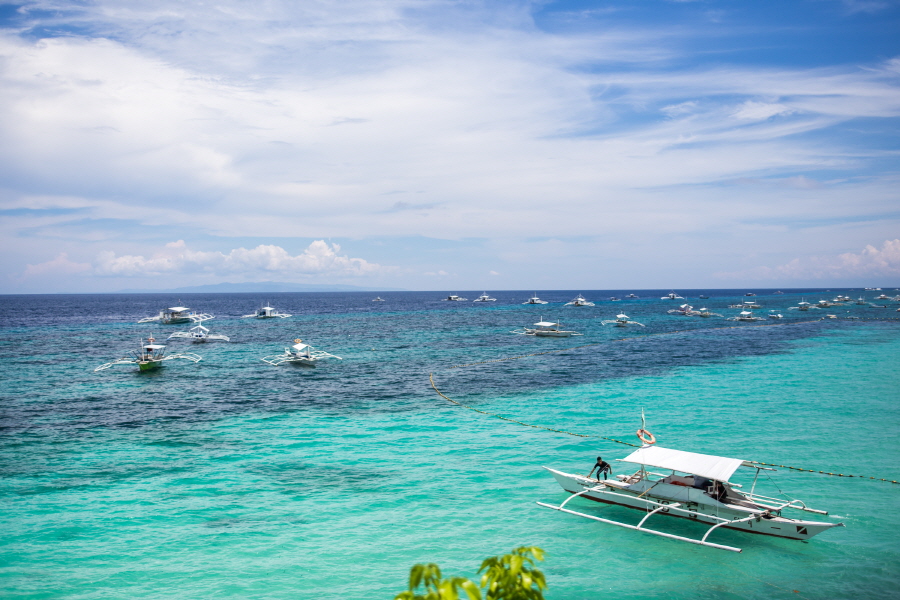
[378,299]
[579,301]
[745,315]
[454,298]
[705,313]
[545,329]
[535,300]
[484,298]
[685,310]
[621,320]
[775,315]
[697,488]
[299,354]
[748,304]
[631,296]
[266,312]
[198,334]
[802,306]
[177,314]
[672,296]
[150,356]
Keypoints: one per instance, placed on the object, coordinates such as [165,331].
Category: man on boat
[602,467]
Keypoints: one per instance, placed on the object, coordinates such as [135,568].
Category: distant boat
[621,320]
[631,296]
[775,315]
[266,312]
[546,329]
[535,300]
[150,356]
[745,315]
[299,354]
[614,299]
[176,315]
[703,297]
[199,334]
[685,310]
[484,298]
[454,298]
[378,299]
[579,301]
[749,294]
[672,296]
[779,292]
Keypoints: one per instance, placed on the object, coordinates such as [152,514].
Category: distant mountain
[263,287]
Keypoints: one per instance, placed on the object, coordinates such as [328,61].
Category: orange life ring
[642,432]
[298,341]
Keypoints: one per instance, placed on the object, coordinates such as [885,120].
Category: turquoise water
[230,478]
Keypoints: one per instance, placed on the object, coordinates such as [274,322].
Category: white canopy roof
[545,324]
[705,465]
[179,308]
[299,347]
[153,346]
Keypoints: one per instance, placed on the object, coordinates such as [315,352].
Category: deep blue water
[232,478]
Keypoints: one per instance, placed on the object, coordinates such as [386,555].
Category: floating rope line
[484,412]
[583,435]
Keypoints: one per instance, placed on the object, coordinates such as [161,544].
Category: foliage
[511,576]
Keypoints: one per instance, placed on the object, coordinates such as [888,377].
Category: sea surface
[231,478]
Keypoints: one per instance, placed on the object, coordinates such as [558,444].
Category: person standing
[602,467]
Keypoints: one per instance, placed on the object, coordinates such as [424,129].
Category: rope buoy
[649,440]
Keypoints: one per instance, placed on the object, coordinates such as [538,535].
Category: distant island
[262,286]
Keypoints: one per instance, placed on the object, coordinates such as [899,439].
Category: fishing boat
[746,304]
[705,313]
[454,298]
[149,356]
[685,310]
[378,299]
[621,320]
[545,329]
[802,306]
[176,315]
[266,312]
[672,296]
[484,298]
[695,487]
[745,315]
[199,334]
[299,354]
[579,301]
[535,300]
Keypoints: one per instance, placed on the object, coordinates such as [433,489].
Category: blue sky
[449,145]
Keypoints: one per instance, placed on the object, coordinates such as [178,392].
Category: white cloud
[319,258]
[872,263]
[759,111]
[61,265]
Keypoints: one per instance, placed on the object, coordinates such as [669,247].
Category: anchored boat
[177,314]
[579,301]
[696,487]
[535,300]
[150,356]
[198,334]
[299,354]
[546,329]
[484,298]
[621,320]
[454,298]
[266,312]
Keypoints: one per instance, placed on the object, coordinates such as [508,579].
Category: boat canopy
[299,347]
[545,324]
[154,346]
[704,465]
[179,308]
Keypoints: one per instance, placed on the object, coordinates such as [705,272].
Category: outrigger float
[697,488]
[198,334]
[299,354]
[150,356]
[176,315]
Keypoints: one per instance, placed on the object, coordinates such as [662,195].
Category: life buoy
[642,432]
[297,341]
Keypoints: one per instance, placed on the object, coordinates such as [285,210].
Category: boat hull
[695,505]
[149,365]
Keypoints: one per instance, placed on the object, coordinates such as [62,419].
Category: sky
[449,144]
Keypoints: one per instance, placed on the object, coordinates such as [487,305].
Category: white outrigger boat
[198,334]
[454,298]
[266,312]
[150,356]
[176,315]
[621,320]
[705,313]
[697,488]
[579,301]
[546,329]
[773,314]
[298,354]
[378,299]
[685,310]
[484,298]
[535,300]
[802,306]
[631,296]
[745,315]
[746,304]
[672,296]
